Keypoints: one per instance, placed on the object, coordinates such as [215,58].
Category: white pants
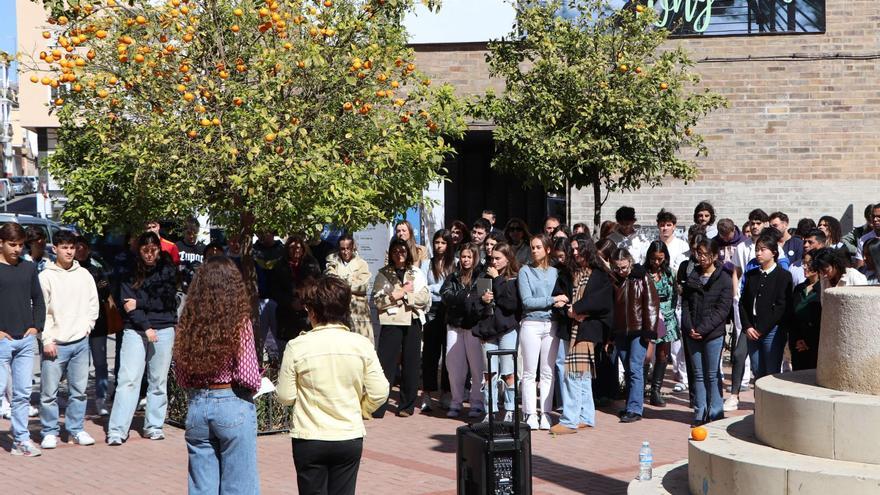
[537,339]
[463,352]
[679,368]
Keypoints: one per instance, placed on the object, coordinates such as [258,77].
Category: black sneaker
[630,418]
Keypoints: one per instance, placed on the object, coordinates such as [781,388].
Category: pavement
[402,456]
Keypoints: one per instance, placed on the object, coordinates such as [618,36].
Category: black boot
[657,384]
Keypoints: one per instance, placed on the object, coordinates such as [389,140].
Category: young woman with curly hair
[215,360]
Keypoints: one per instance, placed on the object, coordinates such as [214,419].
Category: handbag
[114,317]
[661,328]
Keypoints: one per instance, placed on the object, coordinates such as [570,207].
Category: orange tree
[593,100]
[263,114]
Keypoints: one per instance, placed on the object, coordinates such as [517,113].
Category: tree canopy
[264,114]
[594,100]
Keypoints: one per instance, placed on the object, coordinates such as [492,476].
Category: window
[741,17]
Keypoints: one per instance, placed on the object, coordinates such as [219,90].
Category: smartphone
[484,285]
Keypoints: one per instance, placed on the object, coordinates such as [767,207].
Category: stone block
[849,346]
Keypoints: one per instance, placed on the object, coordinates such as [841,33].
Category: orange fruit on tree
[140,20]
[59,102]
[237,101]
[189,96]
[347,106]
[192,134]
[47,34]
[269,137]
[205,123]
[91,54]
[238,12]
[328,3]
[234,28]
[215,121]
[139,58]
[699,433]
[77,87]
[640,8]
[112,80]
[623,68]
[102,93]
[35,79]
[62,20]
[664,86]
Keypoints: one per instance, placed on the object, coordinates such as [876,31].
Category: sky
[7,30]
[461,21]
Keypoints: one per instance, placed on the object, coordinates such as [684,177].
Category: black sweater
[598,304]
[506,311]
[704,307]
[21,299]
[156,298]
[766,300]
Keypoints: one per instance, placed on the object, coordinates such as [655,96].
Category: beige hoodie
[71,303]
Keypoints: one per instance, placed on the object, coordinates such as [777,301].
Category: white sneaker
[25,449]
[679,387]
[49,442]
[545,421]
[83,438]
[731,403]
[33,412]
[508,417]
[142,404]
[101,407]
[5,409]
[532,421]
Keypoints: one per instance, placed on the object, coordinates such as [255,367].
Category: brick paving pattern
[402,456]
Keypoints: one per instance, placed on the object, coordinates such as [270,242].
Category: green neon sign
[697,13]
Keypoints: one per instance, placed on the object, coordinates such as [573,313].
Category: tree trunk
[597,206]
[249,272]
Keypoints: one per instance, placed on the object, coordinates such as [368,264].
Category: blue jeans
[501,366]
[221,439]
[98,345]
[705,357]
[138,352]
[632,349]
[765,353]
[74,359]
[577,394]
[19,356]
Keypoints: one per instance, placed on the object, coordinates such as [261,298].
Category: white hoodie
[71,303]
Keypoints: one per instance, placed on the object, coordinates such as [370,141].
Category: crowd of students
[576,307]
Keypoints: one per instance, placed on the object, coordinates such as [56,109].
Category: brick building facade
[801,134]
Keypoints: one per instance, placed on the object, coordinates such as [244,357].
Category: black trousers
[433,352]
[327,468]
[405,343]
[738,357]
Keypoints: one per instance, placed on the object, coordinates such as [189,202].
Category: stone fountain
[813,432]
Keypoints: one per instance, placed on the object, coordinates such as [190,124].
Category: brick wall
[801,136]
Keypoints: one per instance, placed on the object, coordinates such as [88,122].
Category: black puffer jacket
[156,298]
[704,307]
[463,305]
[505,312]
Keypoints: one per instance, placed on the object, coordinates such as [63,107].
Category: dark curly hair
[216,312]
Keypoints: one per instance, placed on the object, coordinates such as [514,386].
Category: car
[49,227]
[9,193]
[34,182]
[19,185]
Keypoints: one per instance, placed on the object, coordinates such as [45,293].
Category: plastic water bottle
[646,458]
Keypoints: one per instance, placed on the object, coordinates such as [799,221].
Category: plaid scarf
[580,358]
